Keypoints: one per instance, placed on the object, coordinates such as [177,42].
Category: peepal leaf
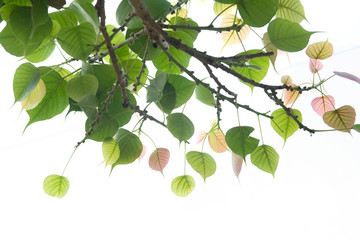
[269,47]
[180,126]
[237,162]
[315,65]
[239,141]
[216,139]
[182,186]
[130,147]
[348,76]
[158,159]
[204,95]
[35,96]
[154,90]
[202,163]
[26,79]
[291,10]
[265,158]
[56,186]
[257,13]
[110,151]
[341,119]
[233,37]
[81,86]
[320,50]
[323,104]
[291,96]
[283,124]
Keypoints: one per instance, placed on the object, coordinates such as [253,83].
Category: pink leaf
[142,153]
[200,137]
[323,104]
[159,159]
[348,76]
[237,162]
[291,96]
[315,65]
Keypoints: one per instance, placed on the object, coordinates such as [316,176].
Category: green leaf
[64,18]
[239,141]
[177,91]
[55,100]
[11,44]
[105,75]
[107,127]
[202,163]
[58,4]
[356,127]
[204,95]
[82,85]
[180,126]
[85,12]
[121,53]
[77,41]
[139,45]
[227,1]
[130,147]
[89,104]
[254,73]
[39,12]
[288,36]
[56,186]
[182,186]
[132,68]
[155,89]
[18,2]
[188,22]
[265,158]
[6,11]
[291,10]
[110,151]
[283,124]
[257,13]
[26,79]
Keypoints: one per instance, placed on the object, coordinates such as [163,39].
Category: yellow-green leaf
[35,96]
[183,185]
[269,47]
[265,158]
[341,119]
[216,139]
[283,124]
[56,186]
[110,151]
[223,9]
[320,50]
[291,10]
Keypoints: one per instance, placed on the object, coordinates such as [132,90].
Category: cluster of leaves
[108,95]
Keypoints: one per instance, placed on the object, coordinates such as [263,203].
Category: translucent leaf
[143,152]
[202,163]
[269,47]
[265,158]
[81,86]
[219,8]
[239,141]
[233,37]
[288,36]
[283,124]
[257,13]
[158,159]
[320,50]
[348,76]
[315,65]
[56,186]
[35,96]
[204,95]
[286,80]
[77,41]
[85,12]
[110,151]
[64,17]
[237,162]
[182,186]
[291,10]
[180,126]
[216,139]
[291,96]
[201,136]
[323,104]
[341,119]
[26,78]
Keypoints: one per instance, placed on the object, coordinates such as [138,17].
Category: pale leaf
[233,37]
[159,159]
[320,50]
[315,65]
[237,162]
[216,139]
[286,80]
[35,96]
[348,76]
[323,104]
[142,153]
[291,96]
[201,136]
[341,119]
[269,47]
[219,8]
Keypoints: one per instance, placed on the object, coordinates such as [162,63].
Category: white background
[314,195]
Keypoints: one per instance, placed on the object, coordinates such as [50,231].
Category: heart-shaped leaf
[315,65]
[283,124]
[323,104]
[158,159]
[257,13]
[291,96]
[56,186]
[320,50]
[269,47]
[233,37]
[130,147]
[182,186]
[26,78]
[291,10]
[341,119]
[180,126]
[110,151]
[265,158]
[239,141]
[202,163]
[81,86]
[216,139]
[204,95]
[35,96]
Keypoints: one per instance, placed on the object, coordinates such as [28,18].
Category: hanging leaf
[158,159]
[110,151]
[130,147]
[180,126]
[283,124]
[356,127]
[143,152]
[323,104]
[288,36]
[320,50]
[257,13]
[237,162]
[291,10]
[286,80]
[269,47]
[239,141]
[202,163]
[56,186]
[315,65]
[182,186]
[265,158]
[348,76]
[77,41]
[81,86]
[233,37]
[201,136]
[222,9]
[204,95]
[216,139]
[26,78]
[291,96]
[341,119]
[35,96]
